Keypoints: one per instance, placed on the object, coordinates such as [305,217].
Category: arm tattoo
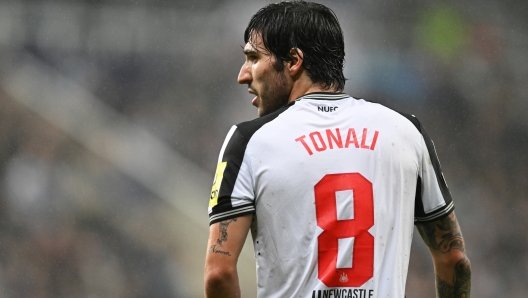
[223,237]
[223,230]
[461,282]
[427,231]
[215,250]
[447,230]
[444,236]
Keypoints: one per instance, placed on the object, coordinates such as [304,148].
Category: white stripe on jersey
[224,145]
[244,209]
[445,211]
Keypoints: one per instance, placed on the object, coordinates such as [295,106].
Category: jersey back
[335,184]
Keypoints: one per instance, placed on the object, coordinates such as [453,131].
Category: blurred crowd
[72,225]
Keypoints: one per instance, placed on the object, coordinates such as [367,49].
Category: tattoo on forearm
[461,282]
[223,237]
[223,230]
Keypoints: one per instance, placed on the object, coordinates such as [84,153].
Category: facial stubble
[273,95]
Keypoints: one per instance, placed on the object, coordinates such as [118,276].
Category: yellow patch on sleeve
[219,176]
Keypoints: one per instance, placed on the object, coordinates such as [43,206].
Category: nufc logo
[343,277]
[326,109]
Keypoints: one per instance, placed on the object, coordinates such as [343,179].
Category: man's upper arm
[226,239]
[442,235]
[231,205]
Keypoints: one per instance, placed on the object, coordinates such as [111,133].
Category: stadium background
[112,114]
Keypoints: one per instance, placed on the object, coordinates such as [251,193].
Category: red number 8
[326,211]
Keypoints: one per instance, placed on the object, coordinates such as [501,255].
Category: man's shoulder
[397,115]
[248,128]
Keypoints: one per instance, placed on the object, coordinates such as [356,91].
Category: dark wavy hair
[310,27]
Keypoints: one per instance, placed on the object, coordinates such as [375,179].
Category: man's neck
[298,92]
[302,84]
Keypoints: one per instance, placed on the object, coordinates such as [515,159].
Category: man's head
[289,39]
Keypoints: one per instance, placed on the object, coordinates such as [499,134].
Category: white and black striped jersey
[335,184]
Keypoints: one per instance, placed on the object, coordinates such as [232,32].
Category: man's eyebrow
[250,52]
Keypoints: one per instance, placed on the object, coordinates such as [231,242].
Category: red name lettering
[315,142]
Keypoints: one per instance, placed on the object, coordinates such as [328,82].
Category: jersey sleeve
[433,199]
[232,193]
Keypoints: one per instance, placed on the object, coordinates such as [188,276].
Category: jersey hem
[434,217]
[232,213]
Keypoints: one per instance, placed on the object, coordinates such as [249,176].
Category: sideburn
[278,65]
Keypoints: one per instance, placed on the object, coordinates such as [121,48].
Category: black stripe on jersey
[234,155]
[419,213]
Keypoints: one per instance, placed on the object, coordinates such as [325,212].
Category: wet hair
[310,27]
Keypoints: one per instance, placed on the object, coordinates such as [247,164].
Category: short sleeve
[433,199]
[232,193]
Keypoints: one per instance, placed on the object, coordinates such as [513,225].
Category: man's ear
[295,66]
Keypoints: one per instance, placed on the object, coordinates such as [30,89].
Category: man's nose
[244,76]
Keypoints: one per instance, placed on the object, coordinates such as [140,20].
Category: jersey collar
[323,96]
